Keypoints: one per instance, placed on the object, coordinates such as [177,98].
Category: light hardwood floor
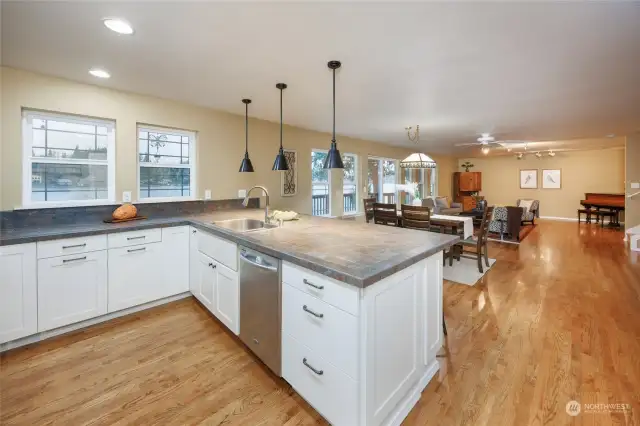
[556,319]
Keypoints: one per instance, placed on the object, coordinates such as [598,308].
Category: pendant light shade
[334,159]
[418,161]
[281,161]
[246,165]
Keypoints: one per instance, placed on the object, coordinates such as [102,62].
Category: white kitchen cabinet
[194,261]
[175,243]
[227,297]
[71,289]
[203,284]
[432,314]
[18,292]
[135,272]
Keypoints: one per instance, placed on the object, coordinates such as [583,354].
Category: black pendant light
[334,159]
[281,161]
[246,165]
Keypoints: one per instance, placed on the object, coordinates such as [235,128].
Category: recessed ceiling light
[97,72]
[118,25]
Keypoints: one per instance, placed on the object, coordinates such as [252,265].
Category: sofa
[529,215]
[442,205]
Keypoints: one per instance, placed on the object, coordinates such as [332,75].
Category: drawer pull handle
[74,246]
[318,372]
[315,314]
[309,283]
[74,260]
[136,238]
[138,249]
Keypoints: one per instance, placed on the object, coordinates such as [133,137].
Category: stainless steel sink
[244,225]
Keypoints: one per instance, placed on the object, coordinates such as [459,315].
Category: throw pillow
[442,202]
[526,205]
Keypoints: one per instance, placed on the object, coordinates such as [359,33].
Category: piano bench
[587,214]
[602,215]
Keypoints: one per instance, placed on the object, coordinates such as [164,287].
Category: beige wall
[632,206]
[582,171]
[220,145]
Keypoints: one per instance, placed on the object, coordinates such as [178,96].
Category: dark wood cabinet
[465,184]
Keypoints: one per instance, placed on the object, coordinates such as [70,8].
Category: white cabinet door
[134,275]
[227,297]
[71,289]
[432,311]
[18,292]
[205,281]
[175,242]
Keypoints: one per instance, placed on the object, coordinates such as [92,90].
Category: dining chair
[385,214]
[368,208]
[478,241]
[416,217]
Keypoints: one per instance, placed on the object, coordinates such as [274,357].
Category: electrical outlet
[242,193]
[635,185]
[126,197]
[207,194]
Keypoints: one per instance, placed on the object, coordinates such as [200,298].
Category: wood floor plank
[555,319]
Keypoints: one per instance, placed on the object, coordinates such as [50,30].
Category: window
[68,160]
[320,188]
[417,184]
[381,185]
[166,159]
[350,183]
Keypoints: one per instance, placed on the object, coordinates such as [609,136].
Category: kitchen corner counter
[355,253]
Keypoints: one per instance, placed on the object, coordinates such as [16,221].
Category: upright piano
[613,202]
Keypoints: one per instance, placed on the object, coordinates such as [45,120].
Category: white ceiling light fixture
[551,153]
[538,154]
[100,73]
[485,150]
[118,25]
[519,156]
[417,160]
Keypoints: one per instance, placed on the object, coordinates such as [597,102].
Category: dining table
[453,223]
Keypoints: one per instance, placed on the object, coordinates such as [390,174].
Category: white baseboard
[568,219]
[83,324]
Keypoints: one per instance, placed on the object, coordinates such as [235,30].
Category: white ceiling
[533,71]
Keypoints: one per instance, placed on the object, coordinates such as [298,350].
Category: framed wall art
[529,179]
[551,179]
[289,178]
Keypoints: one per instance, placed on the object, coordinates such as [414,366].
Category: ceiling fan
[486,141]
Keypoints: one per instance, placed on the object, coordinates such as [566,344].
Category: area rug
[465,271]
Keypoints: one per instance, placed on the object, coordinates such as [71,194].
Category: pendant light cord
[281,118]
[334,107]
[246,128]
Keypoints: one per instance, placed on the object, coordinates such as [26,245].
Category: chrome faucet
[245,202]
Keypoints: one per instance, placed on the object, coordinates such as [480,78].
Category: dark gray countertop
[355,253]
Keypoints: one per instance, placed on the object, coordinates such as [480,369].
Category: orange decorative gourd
[125,211]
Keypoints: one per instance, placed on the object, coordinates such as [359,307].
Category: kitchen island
[361,304]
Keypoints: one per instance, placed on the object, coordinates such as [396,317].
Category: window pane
[71,127]
[319,184]
[164,182]
[389,181]
[64,182]
[38,137]
[70,140]
[349,190]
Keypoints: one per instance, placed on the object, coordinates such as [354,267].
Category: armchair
[529,215]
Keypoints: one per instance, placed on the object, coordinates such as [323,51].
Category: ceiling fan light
[485,150]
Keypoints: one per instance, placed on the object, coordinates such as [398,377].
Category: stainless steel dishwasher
[260,312]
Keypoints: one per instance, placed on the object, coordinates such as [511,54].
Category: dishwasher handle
[250,259]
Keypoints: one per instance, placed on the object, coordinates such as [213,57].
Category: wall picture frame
[551,179]
[528,178]
[289,178]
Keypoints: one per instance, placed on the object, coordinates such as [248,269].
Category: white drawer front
[67,246]
[332,393]
[218,249]
[133,238]
[327,330]
[340,295]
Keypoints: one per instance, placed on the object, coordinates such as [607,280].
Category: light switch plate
[242,193]
[126,197]
[635,185]
[207,194]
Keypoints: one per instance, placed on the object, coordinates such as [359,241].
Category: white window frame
[398,175]
[329,183]
[28,159]
[193,137]
[356,164]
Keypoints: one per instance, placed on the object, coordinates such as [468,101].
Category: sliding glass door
[381,181]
